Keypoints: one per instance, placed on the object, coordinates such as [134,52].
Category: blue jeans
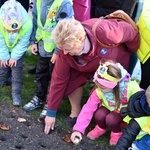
[16,72]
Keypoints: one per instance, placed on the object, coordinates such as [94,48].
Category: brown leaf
[14,111]
[4,127]
[67,139]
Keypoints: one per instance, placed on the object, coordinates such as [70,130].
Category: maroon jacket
[70,72]
[82,9]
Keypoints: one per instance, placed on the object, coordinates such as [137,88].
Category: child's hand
[12,62]
[49,124]
[54,57]
[76,137]
[34,49]
[4,63]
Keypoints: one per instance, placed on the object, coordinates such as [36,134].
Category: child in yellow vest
[113,89]
[137,115]
[46,15]
[15,30]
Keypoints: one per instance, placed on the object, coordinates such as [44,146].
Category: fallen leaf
[37,135]
[21,120]
[67,139]
[4,127]
[14,111]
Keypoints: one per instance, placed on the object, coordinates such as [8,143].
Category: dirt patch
[29,135]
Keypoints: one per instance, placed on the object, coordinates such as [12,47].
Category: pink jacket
[95,101]
[90,107]
[82,9]
[87,112]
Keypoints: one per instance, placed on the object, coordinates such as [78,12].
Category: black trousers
[44,69]
[145,80]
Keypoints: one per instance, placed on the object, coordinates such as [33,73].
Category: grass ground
[28,92]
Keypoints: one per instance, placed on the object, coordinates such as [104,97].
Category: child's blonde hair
[114,71]
[69,32]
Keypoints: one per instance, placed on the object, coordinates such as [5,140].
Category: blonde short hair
[69,32]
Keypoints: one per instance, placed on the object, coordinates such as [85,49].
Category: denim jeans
[16,72]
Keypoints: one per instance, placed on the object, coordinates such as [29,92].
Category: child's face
[13,31]
[103,88]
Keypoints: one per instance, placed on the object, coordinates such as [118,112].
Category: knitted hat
[143,143]
[12,15]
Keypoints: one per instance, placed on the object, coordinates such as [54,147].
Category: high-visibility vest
[132,87]
[144,123]
[45,32]
[23,30]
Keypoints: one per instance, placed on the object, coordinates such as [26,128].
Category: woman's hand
[34,49]
[49,124]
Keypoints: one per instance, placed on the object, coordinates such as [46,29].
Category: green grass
[28,92]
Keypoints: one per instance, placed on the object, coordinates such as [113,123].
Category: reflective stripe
[48,29]
[48,40]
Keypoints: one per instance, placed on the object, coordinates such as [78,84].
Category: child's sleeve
[137,106]
[4,51]
[86,113]
[129,135]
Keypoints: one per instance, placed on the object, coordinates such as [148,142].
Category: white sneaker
[43,114]
[133,147]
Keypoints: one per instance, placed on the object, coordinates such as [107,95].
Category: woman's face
[72,51]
